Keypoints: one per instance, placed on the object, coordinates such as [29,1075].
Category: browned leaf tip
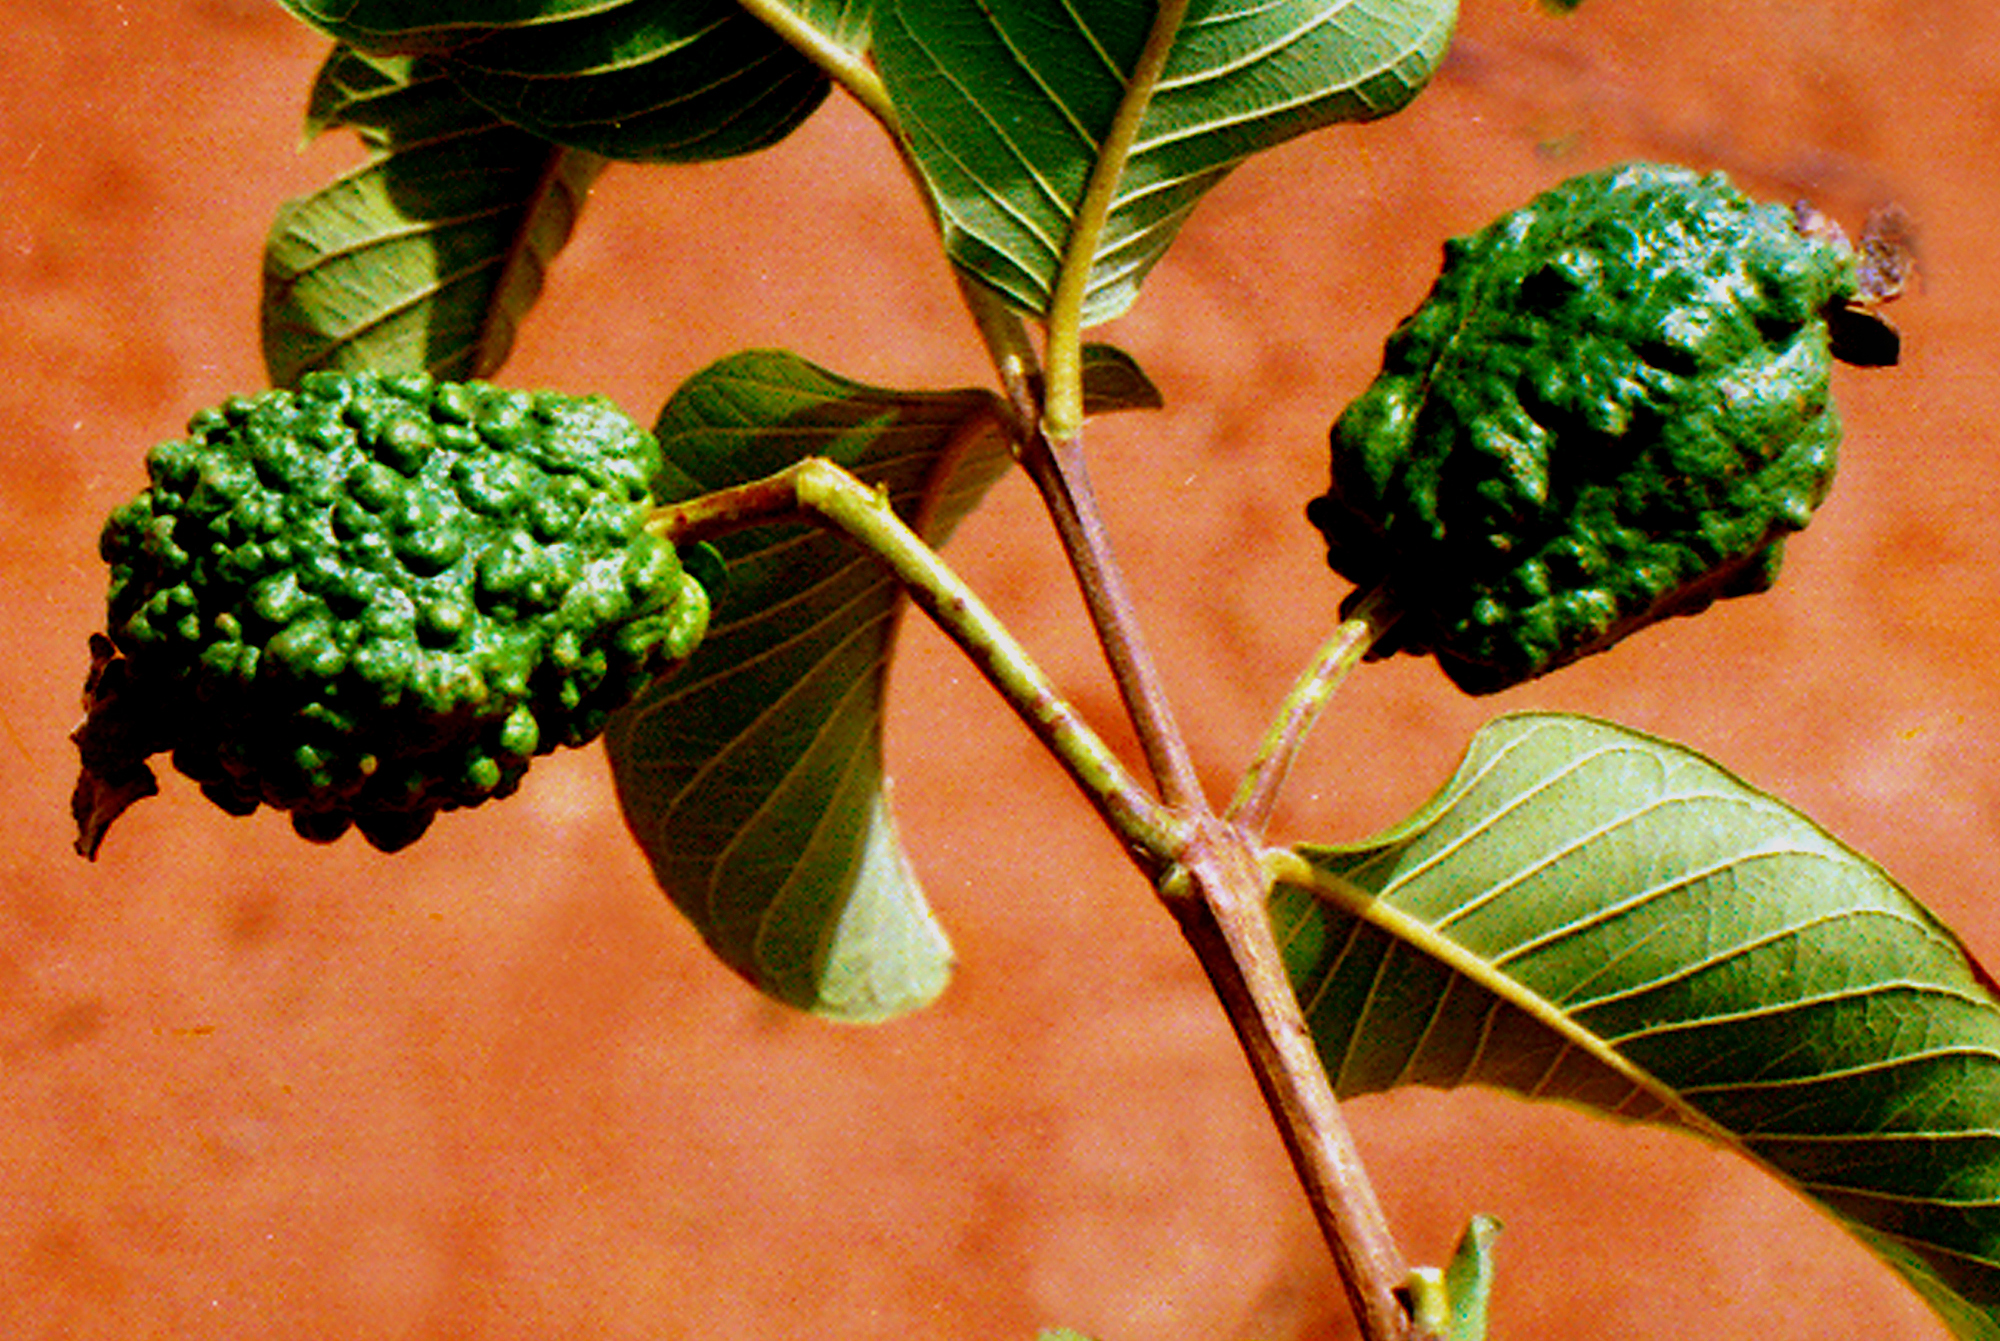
[113,743]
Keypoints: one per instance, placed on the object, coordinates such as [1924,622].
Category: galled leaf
[1008,108]
[1587,914]
[428,256]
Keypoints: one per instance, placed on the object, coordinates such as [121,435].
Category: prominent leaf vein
[1588,915]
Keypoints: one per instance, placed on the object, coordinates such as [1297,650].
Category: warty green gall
[375,598]
[1612,407]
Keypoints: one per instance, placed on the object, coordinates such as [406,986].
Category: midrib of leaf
[858,630]
[755,776]
[845,64]
[1431,939]
[417,126]
[1064,408]
[1287,867]
[524,261]
[1765,986]
[518,258]
[860,770]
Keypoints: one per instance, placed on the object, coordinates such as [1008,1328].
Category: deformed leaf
[1591,915]
[427,257]
[1008,109]
[753,778]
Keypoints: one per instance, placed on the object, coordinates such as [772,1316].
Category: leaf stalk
[817,490]
[846,68]
[1257,794]
[1064,408]
[1206,868]
[1203,866]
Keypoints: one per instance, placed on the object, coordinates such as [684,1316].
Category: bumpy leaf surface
[1008,107]
[1590,915]
[427,257]
[378,598]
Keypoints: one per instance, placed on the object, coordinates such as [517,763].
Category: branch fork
[1209,869]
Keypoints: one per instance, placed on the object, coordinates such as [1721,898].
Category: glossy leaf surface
[427,257]
[1590,915]
[1008,108]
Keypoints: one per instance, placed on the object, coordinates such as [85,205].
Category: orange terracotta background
[492,1087]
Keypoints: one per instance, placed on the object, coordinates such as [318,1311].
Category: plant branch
[1057,468]
[1058,472]
[1220,896]
[1064,407]
[1012,350]
[1216,889]
[1179,843]
[1258,791]
[1206,869]
[818,490]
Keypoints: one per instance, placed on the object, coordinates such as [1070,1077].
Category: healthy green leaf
[1113,380]
[1451,1304]
[427,257]
[1468,1281]
[1587,914]
[753,779]
[1007,108]
[627,79]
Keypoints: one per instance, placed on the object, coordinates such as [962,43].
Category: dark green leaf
[428,256]
[1587,914]
[628,79]
[1008,106]
[1113,381]
[753,778]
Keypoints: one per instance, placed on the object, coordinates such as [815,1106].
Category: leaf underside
[1007,108]
[627,79]
[753,777]
[1590,915]
[427,257]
